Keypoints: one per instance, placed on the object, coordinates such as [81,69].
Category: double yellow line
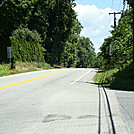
[18,83]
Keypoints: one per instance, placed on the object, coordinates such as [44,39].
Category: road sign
[9,52]
[110,49]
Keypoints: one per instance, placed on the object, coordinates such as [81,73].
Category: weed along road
[58,101]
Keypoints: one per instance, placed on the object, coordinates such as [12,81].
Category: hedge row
[26,51]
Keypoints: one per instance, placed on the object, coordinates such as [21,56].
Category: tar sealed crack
[55,117]
[87,117]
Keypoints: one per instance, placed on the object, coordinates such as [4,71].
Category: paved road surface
[58,101]
[126,103]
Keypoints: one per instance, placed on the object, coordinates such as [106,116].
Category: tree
[60,19]
[78,51]
[39,18]
[86,54]
[121,41]
[69,57]
[55,25]
[106,58]
[26,34]
[131,3]
[12,14]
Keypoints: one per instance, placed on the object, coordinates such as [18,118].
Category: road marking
[18,83]
[80,77]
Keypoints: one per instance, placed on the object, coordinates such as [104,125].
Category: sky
[95,19]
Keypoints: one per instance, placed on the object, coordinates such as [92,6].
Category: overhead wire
[121,1]
[112,4]
[120,4]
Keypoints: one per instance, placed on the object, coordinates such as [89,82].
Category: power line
[112,4]
[120,5]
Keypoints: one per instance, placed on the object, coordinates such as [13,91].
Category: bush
[4,70]
[26,51]
[117,79]
[105,78]
[26,34]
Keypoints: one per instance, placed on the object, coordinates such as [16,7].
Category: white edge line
[80,77]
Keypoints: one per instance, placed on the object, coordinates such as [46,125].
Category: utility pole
[115,17]
[110,49]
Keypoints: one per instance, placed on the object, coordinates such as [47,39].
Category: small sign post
[38,60]
[9,55]
[110,49]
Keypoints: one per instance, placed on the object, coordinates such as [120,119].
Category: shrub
[26,51]
[26,34]
[4,70]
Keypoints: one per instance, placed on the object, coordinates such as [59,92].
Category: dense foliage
[86,55]
[13,13]
[26,34]
[53,24]
[130,2]
[117,54]
[121,42]
[79,53]
[27,51]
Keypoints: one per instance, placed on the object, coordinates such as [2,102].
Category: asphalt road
[126,103]
[58,101]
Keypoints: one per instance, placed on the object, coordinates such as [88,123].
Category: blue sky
[95,19]
[114,4]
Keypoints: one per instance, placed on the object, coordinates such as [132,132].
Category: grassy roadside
[104,78]
[21,67]
[122,79]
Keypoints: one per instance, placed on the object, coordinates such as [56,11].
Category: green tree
[69,54]
[130,2]
[50,22]
[39,18]
[12,14]
[26,34]
[121,41]
[86,54]
[60,19]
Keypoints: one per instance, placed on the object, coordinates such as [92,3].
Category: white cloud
[96,23]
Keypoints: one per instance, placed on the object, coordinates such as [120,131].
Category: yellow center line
[18,83]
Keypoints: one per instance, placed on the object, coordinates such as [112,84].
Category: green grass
[32,66]
[117,79]
[105,78]
[4,70]
[21,67]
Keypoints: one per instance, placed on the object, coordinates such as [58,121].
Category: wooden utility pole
[110,49]
[115,17]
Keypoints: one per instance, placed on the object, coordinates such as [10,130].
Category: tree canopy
[130,2]
[53,24]
[121,42]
